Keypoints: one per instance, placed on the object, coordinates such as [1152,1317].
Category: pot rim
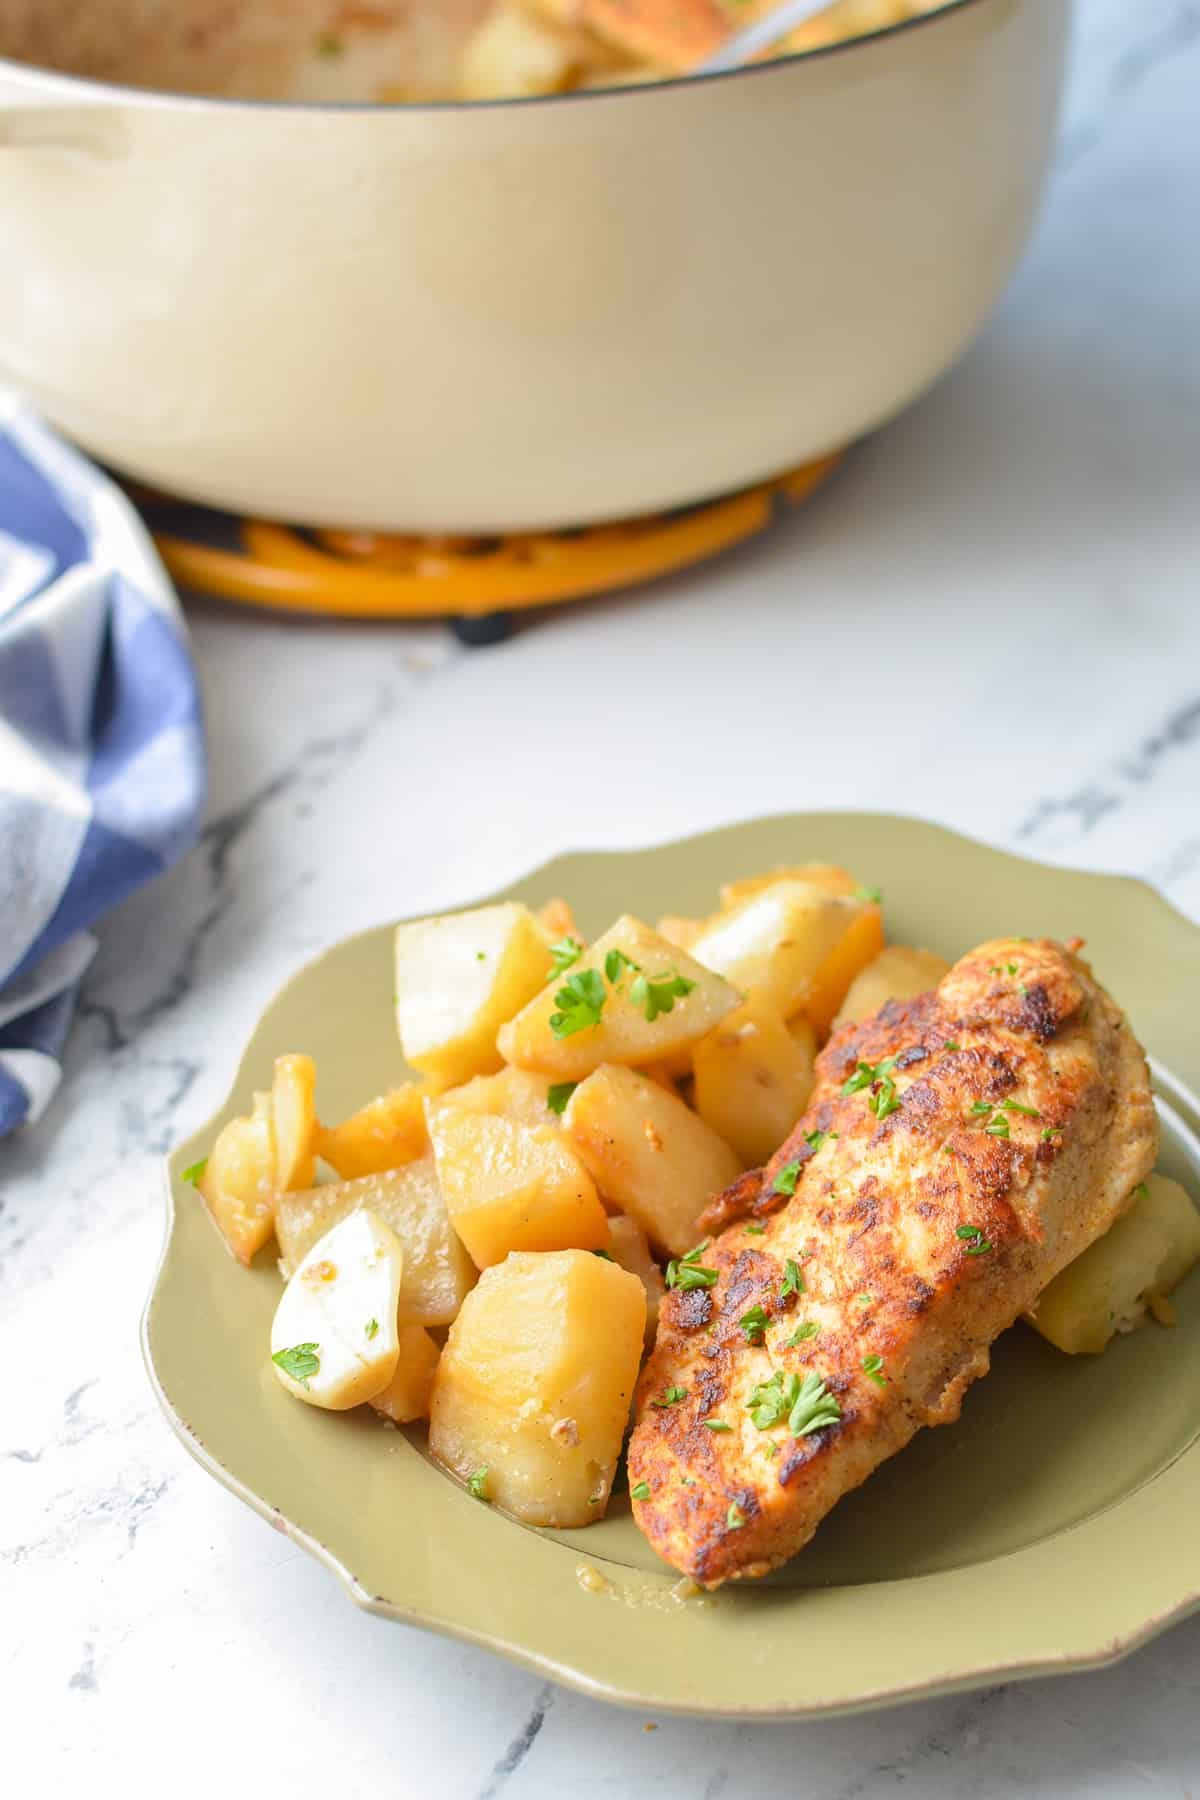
[79,85]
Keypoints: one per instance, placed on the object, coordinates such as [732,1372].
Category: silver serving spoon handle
[742,46]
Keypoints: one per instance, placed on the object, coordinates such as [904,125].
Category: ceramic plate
[1052,1528]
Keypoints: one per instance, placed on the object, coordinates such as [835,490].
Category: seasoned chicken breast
[959,1149]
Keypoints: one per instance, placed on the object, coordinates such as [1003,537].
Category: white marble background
[1013,570]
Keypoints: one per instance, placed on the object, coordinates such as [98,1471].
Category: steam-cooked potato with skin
[511,53]
[511,1187]
[1109,1288]
[632,998]
[438,1273]
[648,1153]
[459,976]
[333,1339]
[753,1079]
[897,973]
[385,1134]
[533,1390]
[629,1247]
[796,945]
[517,1094]
[406,1396]
[239,1182]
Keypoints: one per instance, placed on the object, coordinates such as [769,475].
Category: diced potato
[533,1389]
[239,1182]
[648,1153]
[753,1079]
[509,1187]
[516,1094]
[558,919]
[295,1114]
[629,1246]
[458,978]
[438,1273]
[1109,1288]
[827,876]
[334,1339]
[897,973]
[385,1134]
[680,931]
[619,1028]
[406,1396]
[796,945]
[510,54]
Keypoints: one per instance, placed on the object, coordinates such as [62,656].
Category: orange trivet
[372,575]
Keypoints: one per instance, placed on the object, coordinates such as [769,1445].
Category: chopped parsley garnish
[754,1323]
[557,1095]
[793,1280]
[477,1485]
[615,964]
[372,1327]
[481,956]
[1141,1191]
[563,954]
[770,1401]
[1051,1131]
[580,1003]
[864,1299]
[814,1408]
[641,1491]
[814,1140]
[688,1272]
[974,1239]
[882,1101]
[1010,968]
[995,969]
[998,1127]
[655,994]
[687,1481]
[951,1044]
[873,1369]
[862,1077]
[785,1180]
[873,894]
[299,1362]
[883,1098]
[770,1448]
[808,1329]
[982,1106]
[754,1230]
[715,1425]
[670,1397]
[1029,1112]
[606,1254]
[194,1171]
[735,1518]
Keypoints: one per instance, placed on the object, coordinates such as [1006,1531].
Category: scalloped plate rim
[981,1674]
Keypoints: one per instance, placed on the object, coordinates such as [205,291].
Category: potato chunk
[648,1153]
[629,1246]
[516,1094]
[829,877]
[753,1079]
[509,1187]
[438,1273]
[406,1396]
[458,978]
[533,1389]
[295,1116]
[897,973]
[1110,1287]
[796,945]
[333,1339]
[602,1010]
[385,1134]
[239,1183]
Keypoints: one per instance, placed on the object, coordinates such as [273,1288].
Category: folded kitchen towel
[102,771]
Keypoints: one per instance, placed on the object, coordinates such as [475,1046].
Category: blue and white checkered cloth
[102,770]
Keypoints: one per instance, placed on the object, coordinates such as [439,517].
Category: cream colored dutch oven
[530,313]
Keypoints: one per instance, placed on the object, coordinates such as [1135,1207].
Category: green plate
[1052,1528]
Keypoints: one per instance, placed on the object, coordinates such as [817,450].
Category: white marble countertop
[1013,569]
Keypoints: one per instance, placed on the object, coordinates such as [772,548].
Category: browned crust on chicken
[1023,1121]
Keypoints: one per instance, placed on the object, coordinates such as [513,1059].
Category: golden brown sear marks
[958,1150]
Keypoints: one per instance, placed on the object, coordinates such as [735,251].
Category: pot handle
[82,130]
